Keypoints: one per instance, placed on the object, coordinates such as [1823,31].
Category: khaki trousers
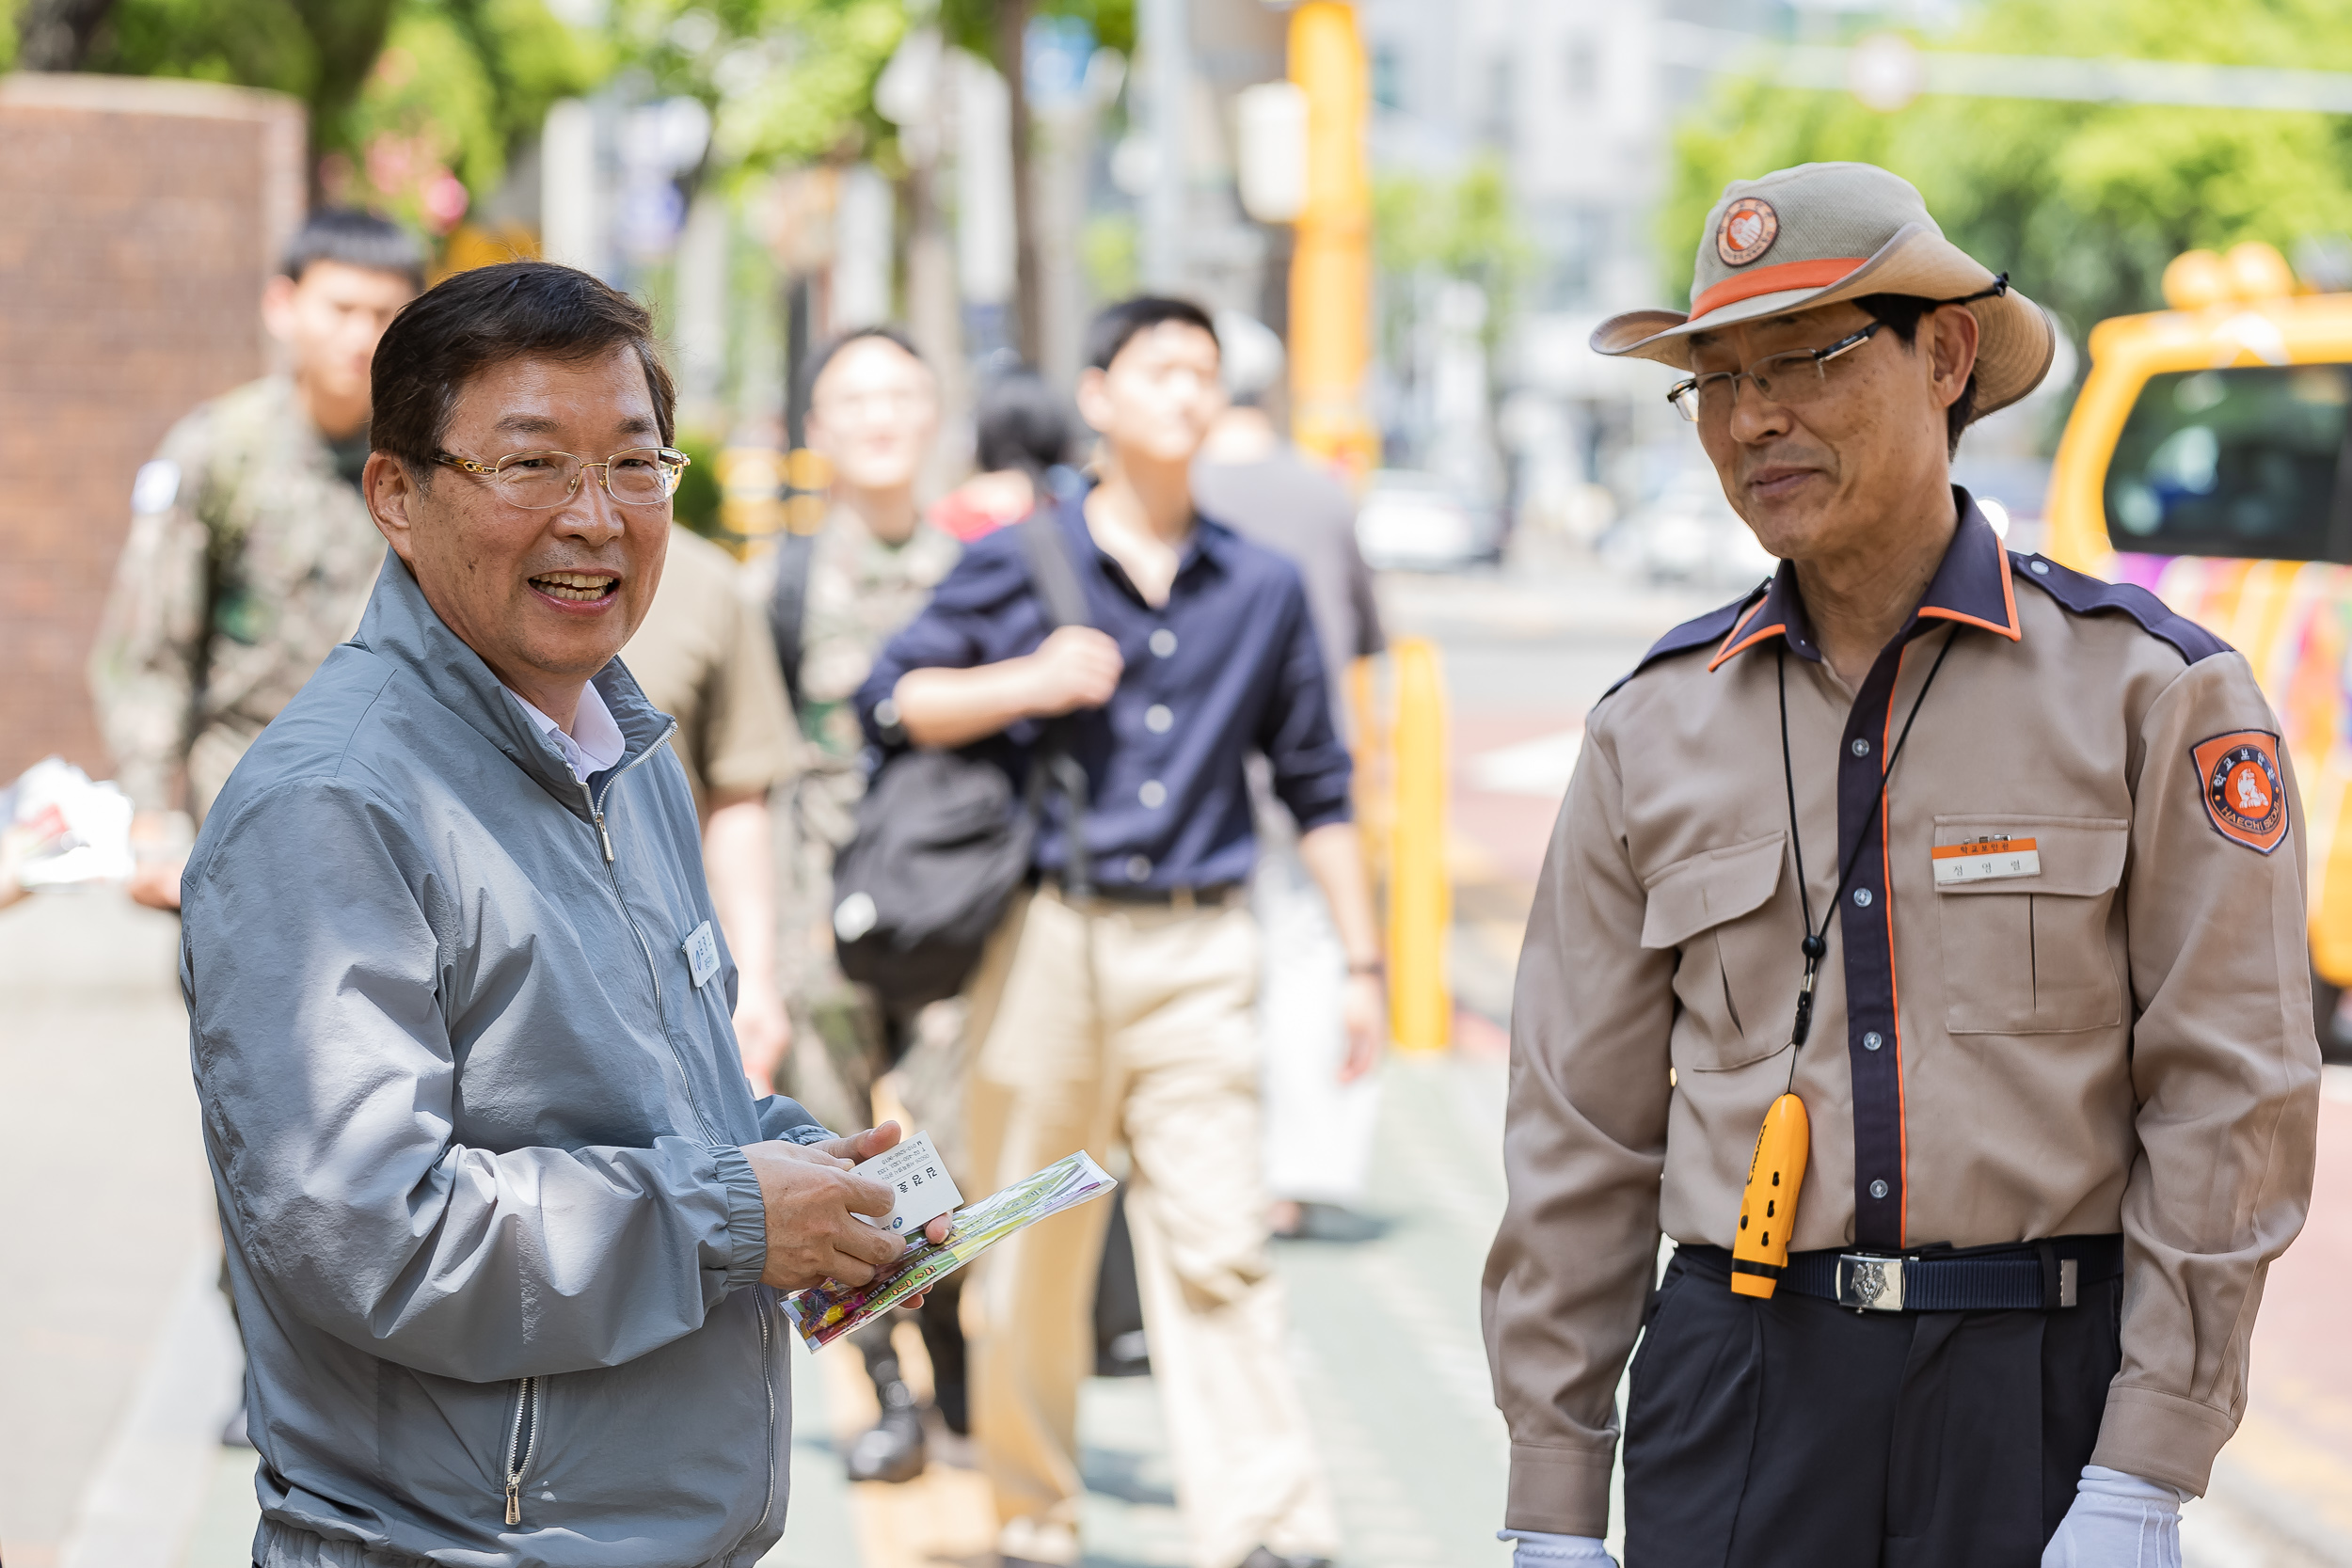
[1103,1023]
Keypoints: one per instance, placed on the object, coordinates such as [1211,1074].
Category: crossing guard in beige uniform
[2063,1016]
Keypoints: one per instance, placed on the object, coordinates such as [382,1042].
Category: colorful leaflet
[825,1312]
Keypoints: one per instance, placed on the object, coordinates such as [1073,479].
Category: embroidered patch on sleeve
[2246,796]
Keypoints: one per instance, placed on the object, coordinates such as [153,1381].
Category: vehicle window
[2241,461]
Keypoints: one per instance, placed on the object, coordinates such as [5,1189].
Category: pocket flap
[1709,888]
[2081,856]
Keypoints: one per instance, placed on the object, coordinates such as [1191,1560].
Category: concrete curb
[143,1499]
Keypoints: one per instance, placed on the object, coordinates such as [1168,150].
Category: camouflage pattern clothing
[861,590]
[251,555]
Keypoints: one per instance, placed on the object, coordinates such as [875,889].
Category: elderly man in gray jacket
[507,1226]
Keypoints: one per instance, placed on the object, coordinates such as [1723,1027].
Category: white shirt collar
[595,743]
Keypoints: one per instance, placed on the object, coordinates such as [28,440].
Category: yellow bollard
[1330,337]
[1421,901]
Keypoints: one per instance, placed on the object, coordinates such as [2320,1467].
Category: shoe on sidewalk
[1265,1557]
[891,1450]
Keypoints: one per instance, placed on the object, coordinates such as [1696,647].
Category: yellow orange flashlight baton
[1768,1210]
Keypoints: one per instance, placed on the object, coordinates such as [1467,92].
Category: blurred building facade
[152,214]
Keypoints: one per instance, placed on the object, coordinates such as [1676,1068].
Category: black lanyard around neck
[1816,941]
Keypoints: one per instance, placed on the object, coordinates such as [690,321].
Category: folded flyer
[825,1312]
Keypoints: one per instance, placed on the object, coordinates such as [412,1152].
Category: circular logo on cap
[1749,228]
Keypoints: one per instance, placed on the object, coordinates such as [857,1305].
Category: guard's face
[874,413]
[545,597]
[1817,470]
[1160,395]
[331,322]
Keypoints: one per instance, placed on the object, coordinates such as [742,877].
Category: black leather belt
[2029,1277]
[1208,894]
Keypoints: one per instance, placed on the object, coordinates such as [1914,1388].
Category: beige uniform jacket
[704,655]
[2120,1040]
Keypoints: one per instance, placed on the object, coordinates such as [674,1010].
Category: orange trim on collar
[1766,280]
[2014,632]
[1729,648]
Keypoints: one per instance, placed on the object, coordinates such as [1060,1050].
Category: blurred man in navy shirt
[1125,1014]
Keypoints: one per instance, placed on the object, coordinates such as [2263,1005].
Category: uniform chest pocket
[1737,977]
[2028,955]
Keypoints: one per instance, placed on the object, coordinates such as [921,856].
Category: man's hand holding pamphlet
[825,1312]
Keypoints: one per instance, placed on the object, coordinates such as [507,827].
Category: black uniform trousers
[1798,1433]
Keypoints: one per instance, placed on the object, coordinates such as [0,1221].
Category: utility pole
[1163,30]
[1331,265]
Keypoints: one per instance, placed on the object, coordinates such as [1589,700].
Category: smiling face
[547,598]
[1828,475]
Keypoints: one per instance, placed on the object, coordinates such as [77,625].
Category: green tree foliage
[2083,203]
[1466,227]
[401,92]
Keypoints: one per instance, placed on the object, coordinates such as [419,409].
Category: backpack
[942,841]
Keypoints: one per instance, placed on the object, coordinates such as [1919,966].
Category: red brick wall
[138,222]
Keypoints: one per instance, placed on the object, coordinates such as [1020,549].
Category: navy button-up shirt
[1228,666]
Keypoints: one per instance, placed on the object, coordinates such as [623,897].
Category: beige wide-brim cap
[1819,233]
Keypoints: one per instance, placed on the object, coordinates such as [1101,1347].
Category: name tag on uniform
[702,954]
[1985,860]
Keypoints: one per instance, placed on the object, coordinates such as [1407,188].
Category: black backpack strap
[787,607]
[1050,569]
[1057,582]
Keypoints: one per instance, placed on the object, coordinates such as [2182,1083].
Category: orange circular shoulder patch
[1747,232]
[2245,794]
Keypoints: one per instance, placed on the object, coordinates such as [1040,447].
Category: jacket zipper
[653,968]
[520,1443]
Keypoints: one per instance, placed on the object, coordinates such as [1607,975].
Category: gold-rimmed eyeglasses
[535,481]
[1791,379]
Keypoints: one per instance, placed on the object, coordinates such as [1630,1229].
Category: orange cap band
[1767,280]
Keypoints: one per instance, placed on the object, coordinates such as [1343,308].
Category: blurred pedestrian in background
[704,655]
[506,1223]
[250,553]
[1114,1005]
[833,598]
[1994,1309]
[1321,1108]
[1021,435]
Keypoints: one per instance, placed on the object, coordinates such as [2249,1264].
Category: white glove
[1538,1550]
[2118,1521]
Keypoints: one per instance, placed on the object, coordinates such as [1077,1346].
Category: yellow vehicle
[2206,460]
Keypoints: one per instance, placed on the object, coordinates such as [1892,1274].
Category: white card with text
[915,1173]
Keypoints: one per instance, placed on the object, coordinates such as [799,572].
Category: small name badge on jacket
[1985,858]
[702,954]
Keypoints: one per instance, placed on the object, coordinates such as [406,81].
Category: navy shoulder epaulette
[1704,631]
[2090,596]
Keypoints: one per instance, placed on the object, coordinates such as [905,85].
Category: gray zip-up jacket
[476,1133]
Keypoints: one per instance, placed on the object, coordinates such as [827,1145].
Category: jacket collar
[401,627]
[1212,542]
[1971,586]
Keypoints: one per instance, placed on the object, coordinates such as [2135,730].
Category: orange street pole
[1421,901]
[1330,346]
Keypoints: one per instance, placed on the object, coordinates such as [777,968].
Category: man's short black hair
[831,347]
[356,239]
[465,323]
[1020,424]
[1118,325]
[1903,314]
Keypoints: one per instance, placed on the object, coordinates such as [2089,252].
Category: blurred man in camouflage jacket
[834,598]
[251,553]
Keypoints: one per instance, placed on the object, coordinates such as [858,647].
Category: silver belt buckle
[1869,1284]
